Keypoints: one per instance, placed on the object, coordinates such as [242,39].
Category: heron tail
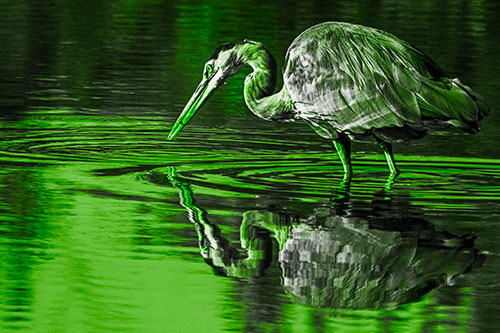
[452,102]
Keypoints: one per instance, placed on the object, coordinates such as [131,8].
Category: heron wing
[356,79]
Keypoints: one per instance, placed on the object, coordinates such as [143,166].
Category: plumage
[346,81]
[358,80]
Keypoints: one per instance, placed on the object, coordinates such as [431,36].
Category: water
[105,225]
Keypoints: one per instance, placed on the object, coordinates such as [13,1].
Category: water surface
[240,224]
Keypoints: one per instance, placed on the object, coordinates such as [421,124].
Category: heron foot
[341,196]
[345,183]
[390,182]
[394,172]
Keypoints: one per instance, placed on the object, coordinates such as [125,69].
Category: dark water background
[98,232]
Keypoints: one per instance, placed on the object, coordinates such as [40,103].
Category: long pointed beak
[200,96]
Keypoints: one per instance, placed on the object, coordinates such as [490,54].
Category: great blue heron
[346,81]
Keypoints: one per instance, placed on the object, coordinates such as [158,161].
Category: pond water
[239,224]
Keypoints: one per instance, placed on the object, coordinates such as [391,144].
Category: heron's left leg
[387,148]
[343,146]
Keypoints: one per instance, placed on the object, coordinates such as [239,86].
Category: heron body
[346,81]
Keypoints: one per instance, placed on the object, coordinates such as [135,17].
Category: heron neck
[261,83]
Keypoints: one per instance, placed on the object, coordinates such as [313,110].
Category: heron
[347,82]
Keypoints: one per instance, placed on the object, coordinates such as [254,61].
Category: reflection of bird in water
[364,259]
[346,81]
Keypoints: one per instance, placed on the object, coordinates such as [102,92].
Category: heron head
[222,64]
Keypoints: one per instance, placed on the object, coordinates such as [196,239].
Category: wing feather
[356,79]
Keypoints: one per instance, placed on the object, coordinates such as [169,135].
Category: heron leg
[343,146]
[387,148]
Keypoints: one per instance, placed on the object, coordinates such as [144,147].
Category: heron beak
[200,96]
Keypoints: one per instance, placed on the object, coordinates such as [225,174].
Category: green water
[105,225]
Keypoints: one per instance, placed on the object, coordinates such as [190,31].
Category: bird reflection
[338,256]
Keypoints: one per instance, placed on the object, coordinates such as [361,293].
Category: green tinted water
[105,225]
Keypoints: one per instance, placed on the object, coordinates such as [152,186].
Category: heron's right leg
[343,146]
[387,148]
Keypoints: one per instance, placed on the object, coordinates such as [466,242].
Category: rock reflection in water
[338,257]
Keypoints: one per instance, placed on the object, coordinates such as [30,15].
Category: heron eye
[208,71]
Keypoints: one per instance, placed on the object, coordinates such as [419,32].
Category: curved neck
[217,251]
[260,84]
